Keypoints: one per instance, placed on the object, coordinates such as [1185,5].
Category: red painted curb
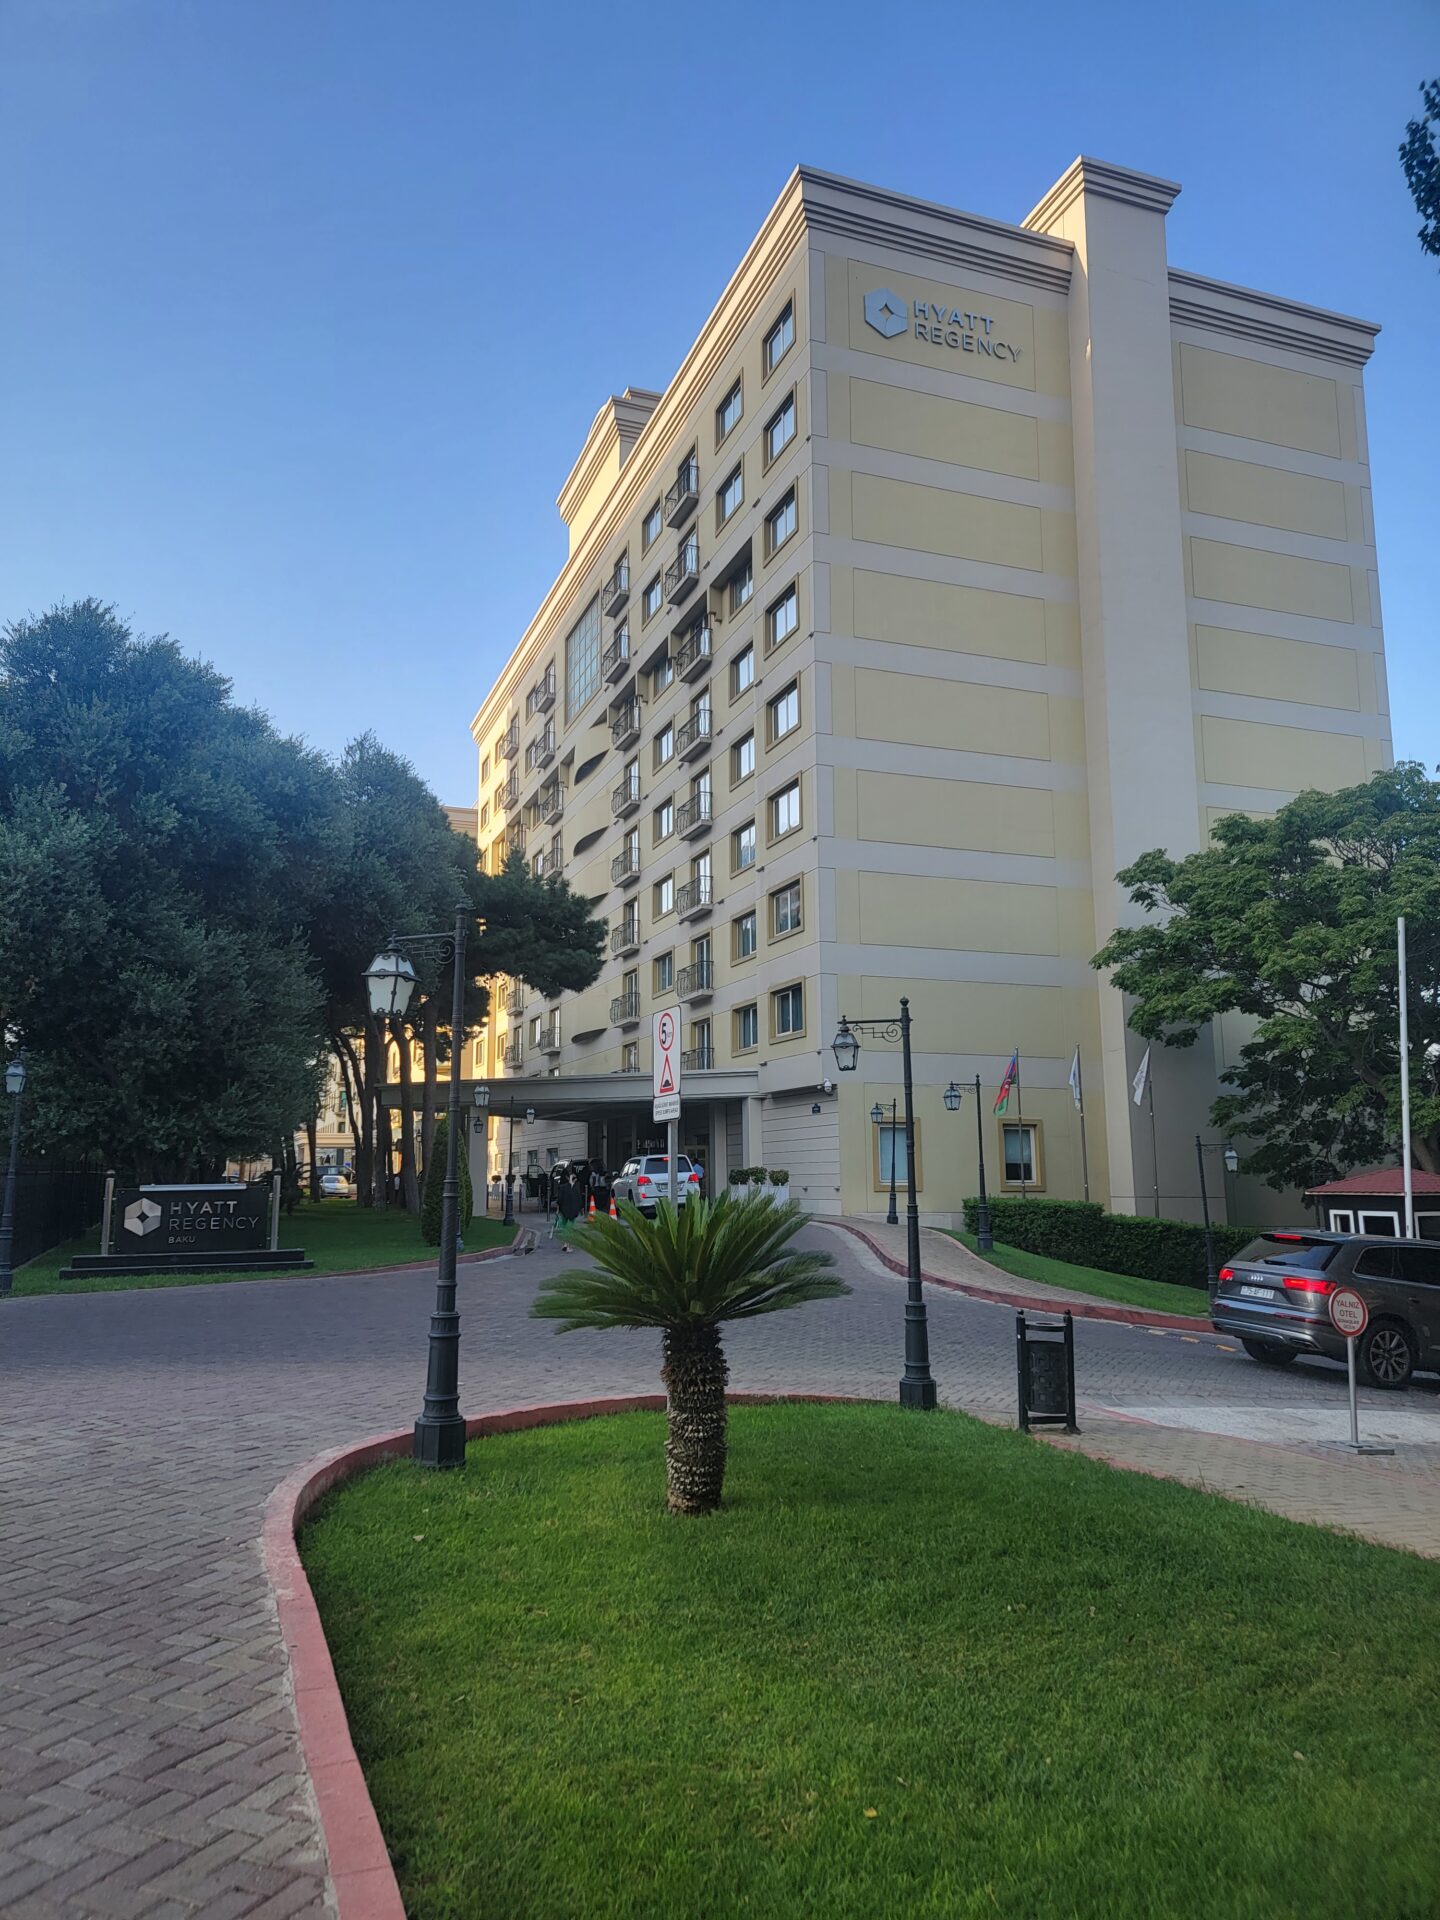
[1029,1303]
[360,1870]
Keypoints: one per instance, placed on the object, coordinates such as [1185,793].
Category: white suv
[646,1180]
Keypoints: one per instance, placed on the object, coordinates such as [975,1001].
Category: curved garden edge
[1029,1302]
[361,1876]
[422,1266]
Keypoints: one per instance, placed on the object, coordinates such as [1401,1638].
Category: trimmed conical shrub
[432,1198]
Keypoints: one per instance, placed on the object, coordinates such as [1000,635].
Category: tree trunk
[312,1129]
[427,1099]
[357,1103]
[409,1188]
[694,1373]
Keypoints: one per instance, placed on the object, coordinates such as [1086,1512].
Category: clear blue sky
[308,303]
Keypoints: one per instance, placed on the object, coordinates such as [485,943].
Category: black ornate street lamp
[1232,1163]
[917,1388]
[440,1430]
[14,1086]
[984,1239]
[877,1115]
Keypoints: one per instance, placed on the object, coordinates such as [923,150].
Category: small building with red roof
[1374,1202]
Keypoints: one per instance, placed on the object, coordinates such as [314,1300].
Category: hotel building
[959,563]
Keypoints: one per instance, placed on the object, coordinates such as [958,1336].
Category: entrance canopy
[590,1096]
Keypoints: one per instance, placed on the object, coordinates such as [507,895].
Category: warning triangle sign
[667,1078]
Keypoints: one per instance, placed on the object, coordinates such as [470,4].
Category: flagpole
[1080,1103]
[1154,1150]
[1020,1120]
[1405,1083]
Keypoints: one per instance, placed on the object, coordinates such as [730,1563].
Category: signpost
[666,1059]
[1349,1316]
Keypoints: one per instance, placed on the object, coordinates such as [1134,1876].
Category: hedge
[1081,1232]
[432,1199]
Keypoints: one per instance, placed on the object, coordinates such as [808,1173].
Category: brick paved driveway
[148,1762]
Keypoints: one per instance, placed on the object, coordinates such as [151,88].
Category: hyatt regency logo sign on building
[942,326]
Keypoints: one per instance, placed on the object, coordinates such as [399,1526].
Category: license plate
[1258,1293]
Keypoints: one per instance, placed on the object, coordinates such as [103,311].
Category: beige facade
[959,564]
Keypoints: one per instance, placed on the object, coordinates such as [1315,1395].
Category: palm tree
[685,1272]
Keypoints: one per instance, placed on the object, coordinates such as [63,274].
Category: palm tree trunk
[694,1373]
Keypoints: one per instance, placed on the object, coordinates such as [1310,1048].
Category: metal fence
[54,1204]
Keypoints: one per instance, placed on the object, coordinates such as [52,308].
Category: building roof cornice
[619,423]
[1101,179]
[1214,306]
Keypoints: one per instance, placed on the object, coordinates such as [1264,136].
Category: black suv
[1274,1296]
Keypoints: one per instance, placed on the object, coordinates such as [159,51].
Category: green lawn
[916,1665]
[1105,1286]
[336,1234]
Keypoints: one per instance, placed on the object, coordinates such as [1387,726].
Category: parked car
[1274,1297]
[646,1180]
[334,1185]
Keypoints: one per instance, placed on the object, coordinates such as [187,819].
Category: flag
[1002,1098]
[1142,1078]
[1075,1082]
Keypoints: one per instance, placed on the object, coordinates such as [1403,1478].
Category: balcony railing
[541,696]
[616,590]
[508,796]
[552,805]
[550,1037]
[545,746]
[693,898]
[682,576]
[626,937]
[625,727]
[693,816]
[615,661]
[515,1000]
[626,797]
[510,743]
[625,867]
[692,736]
[546,864]
[698,1060]
[514,1054]
[682,499]
[625,1010]
[515,837]
[692,656]
[695,982]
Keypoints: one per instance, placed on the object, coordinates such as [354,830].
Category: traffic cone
[591,1214]
[613,1214]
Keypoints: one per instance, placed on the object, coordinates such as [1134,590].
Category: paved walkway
[148,1762]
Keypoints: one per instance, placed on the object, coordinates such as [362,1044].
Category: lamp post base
[439,1443]
[918,1393]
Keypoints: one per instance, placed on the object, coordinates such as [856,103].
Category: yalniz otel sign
[941,326]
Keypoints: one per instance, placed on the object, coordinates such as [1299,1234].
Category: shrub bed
[1080,1231]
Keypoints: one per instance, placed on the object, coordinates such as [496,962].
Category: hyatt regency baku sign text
[217,1218]
[941,326]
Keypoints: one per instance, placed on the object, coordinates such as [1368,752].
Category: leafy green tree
[687,1272]
[1420,157]
[1291,922]
[433,1204]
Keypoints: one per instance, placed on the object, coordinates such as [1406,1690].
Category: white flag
[1075,1082]
[1142,1077]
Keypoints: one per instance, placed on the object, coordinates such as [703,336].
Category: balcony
[616,590]
[693,654]
[552,804]
[625,1010]
[692,736]
[698,1060]
[626,797]
[625,727]
[692,900]
[625,938]
[515,1000]
[515,837]
[514,1054]
[545,746]
[615,661]
[695,982]
[692,816]
[541,696]
[683,498]
[550,1037]
[682,576]
[545,865]
[508,796]
[625,867]
[509,744]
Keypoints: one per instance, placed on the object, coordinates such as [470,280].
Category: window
[650,599]
[742,670]
[783,712]
[485,814]
[747,1028]
[742,847]
[783,617]
[742,759]
[890,1156]
[632,849]
[650,526]
[535,1031]
[780,338]
[1020,1153]
[743,941]
[785,910]
[630,1057]
[787,1011]
[731,496]
[664,972]
[780,429]
[485,768]
[665,744]
[742,585]
[727,414]
[665,895]
[701,1046]
[663,822]
[661,674]
[582,659]
[785,810]
[780,523]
